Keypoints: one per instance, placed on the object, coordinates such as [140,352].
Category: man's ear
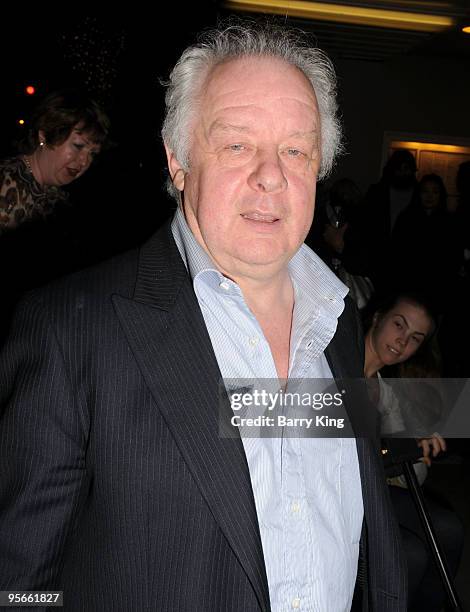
[175,168]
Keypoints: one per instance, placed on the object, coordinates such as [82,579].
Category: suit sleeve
[42,453]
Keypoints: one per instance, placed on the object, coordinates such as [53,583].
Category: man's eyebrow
[308,135]
[408,325]
[221,126]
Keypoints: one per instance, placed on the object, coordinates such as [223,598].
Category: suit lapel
[343,358]
[168,337]
[347,370]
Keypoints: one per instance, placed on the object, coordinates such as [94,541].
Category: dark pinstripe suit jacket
[115,485]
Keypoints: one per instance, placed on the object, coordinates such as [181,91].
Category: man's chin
[257,265]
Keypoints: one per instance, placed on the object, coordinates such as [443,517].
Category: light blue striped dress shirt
[307,490]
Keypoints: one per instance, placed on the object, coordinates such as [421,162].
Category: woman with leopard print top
[67,131]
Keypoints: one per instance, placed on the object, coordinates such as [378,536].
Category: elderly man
[116,485]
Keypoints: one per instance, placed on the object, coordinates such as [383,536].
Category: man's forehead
[219,126]
[242,75]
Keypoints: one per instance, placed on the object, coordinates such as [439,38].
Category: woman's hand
[435,442]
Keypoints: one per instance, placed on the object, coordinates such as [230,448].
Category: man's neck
[272,303]
[264,294]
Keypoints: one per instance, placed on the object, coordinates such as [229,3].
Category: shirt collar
[193,255]
[315,285]
[312,279]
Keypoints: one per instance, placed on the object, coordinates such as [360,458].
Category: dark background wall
[425,95]
[121,56]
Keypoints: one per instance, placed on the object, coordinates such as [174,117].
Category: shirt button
[295,507]
[224,285]
[296,603]
[254,340]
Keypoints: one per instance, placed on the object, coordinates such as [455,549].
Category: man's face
[249,194]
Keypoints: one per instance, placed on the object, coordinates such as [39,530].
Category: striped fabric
[115,485]
[307,491]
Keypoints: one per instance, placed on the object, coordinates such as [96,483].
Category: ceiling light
[401,20]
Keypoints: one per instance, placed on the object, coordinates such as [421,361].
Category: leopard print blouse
[22,198]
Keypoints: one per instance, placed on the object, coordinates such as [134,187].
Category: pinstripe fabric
[307,492]
[382,571]
[114,483]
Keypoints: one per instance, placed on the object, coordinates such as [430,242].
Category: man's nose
[268,175]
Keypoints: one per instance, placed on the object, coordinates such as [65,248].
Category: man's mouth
[262,217]
[394,351]
[73,172]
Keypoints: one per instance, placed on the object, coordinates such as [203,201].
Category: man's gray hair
[186,83]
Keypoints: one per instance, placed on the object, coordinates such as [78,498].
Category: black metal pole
[415,491]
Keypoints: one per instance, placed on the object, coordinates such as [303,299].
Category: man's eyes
[238,153]
[294,152]
[237,147]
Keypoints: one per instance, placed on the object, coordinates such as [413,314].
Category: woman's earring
[41,143]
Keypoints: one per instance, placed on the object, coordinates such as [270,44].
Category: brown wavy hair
[59,113]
